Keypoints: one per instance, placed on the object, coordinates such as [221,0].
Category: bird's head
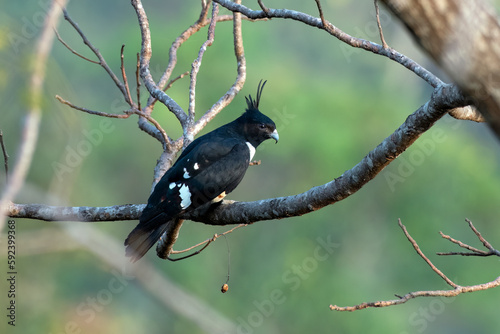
[257,127]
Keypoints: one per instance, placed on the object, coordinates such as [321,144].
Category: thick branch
[431,293]
[82,213]
[443,98]
[462,37]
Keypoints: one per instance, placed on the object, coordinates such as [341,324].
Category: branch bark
[463,38]
[457,289]
[444,97]
[34,114]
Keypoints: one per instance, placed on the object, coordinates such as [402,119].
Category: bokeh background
[332,104]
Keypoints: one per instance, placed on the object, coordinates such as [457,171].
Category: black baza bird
[206,171]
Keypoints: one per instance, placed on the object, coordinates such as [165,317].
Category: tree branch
[474,251]
[195,66]
[98,54]
[5,158]
[337,33]
[229,212]
[147,78]
[462,38]
[32,121]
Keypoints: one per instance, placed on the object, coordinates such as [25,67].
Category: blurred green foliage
[331,104]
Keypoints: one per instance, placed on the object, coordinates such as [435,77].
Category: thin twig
[5,158]
[145,73]
[318,4]
[239,53]
[474,251]
[377,13]
[128,97]
[73,50]
[480,237]
[208,240]
[431,293]
[417,249]
[338,189]
[206,243]
[101,62]
[92,112]
[457,289]
[392,54]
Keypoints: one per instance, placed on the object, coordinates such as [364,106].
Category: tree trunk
[463,37]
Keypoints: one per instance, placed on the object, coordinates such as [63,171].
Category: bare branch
[230,212]
[147,78]
[323,21]
[138,82]
[171,82]
[73,50]
[82,213]
[128,97]
[101,62]
[215,237]
[474,251]
[426,259]
[32,121]
[457,289]
[337,33]
[194,28]
[5,158]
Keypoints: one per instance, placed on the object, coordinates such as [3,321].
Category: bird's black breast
[202,173]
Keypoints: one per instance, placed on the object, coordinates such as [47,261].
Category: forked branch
[457,289]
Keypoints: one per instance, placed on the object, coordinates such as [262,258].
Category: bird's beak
[274,135]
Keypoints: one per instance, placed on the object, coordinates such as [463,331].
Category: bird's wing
[209,170]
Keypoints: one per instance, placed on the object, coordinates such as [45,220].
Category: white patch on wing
[185,195]
[171,185]
[186,174]
[252,150]
[196,166]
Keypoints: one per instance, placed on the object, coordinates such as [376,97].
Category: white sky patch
[171,185]
[186,174]
[252,150]
[196,166]
[185,195]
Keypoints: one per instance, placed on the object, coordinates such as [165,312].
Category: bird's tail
[142,238]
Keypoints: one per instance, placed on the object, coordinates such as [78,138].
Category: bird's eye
[262,126]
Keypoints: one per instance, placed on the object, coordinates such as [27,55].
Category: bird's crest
[254,104]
